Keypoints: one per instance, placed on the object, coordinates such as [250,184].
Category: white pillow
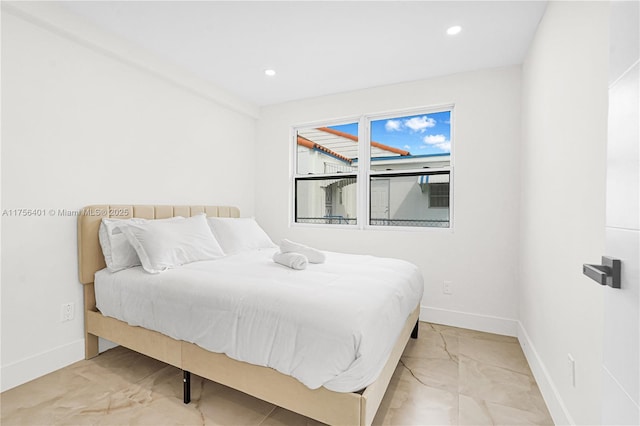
[118,253]
[161,245]
[236,235]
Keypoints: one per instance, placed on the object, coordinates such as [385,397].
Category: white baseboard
[27,369]
[486,323]
[550,393]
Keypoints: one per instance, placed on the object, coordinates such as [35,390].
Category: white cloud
[420,124]
[439,141]
[435,139]
[407,148]
[445,146]
[392,125]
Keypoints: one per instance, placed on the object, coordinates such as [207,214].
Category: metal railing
[330,220]
[339,220]
[411,222]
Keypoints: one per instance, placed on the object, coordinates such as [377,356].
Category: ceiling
[319,48]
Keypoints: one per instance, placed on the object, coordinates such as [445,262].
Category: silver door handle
[606,274]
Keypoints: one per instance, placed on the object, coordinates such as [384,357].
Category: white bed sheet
[332,324]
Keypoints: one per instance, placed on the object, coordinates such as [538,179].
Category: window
[326,175]
[439,195]
[399,177]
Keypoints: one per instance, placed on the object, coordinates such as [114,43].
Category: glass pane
[327,149]
[330,201]
[410,200]
[411,142]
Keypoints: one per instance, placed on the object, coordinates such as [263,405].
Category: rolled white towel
[313,255]
[292,260]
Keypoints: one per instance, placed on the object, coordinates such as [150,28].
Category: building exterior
[416,199]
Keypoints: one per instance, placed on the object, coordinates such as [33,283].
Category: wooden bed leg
[414,333]
[90,346]
[186,391]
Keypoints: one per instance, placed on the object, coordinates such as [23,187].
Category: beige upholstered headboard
[90,257]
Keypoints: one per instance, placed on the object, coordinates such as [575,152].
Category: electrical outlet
[571,370]
[67,312]
[446,287]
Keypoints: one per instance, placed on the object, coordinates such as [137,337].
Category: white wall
[80,126]
[480,255]
[562,205]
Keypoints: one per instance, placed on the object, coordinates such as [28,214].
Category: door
[379,200]
[621,357]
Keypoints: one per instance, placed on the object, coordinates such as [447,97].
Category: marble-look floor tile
[473,413]
[118,409]
[447,376]
[49,398]
[501,386]
[225,406]
[436,373]
[505,354]
[113,368]
[463,332]
[409,402]
[479,412]
[504,415]
[432,343]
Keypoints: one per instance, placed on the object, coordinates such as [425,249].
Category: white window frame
[364,172]
[293,161]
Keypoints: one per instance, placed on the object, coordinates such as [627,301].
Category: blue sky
[420,134]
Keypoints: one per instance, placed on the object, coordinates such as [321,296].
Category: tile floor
[447,376]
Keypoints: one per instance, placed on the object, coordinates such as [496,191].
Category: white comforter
[332,324]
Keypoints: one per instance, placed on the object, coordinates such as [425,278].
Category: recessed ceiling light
[454,30]
[269,72]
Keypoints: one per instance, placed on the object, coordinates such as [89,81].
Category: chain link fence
[339,220]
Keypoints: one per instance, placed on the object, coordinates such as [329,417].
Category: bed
[357,407]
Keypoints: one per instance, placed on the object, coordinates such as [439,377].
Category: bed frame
[335,408]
